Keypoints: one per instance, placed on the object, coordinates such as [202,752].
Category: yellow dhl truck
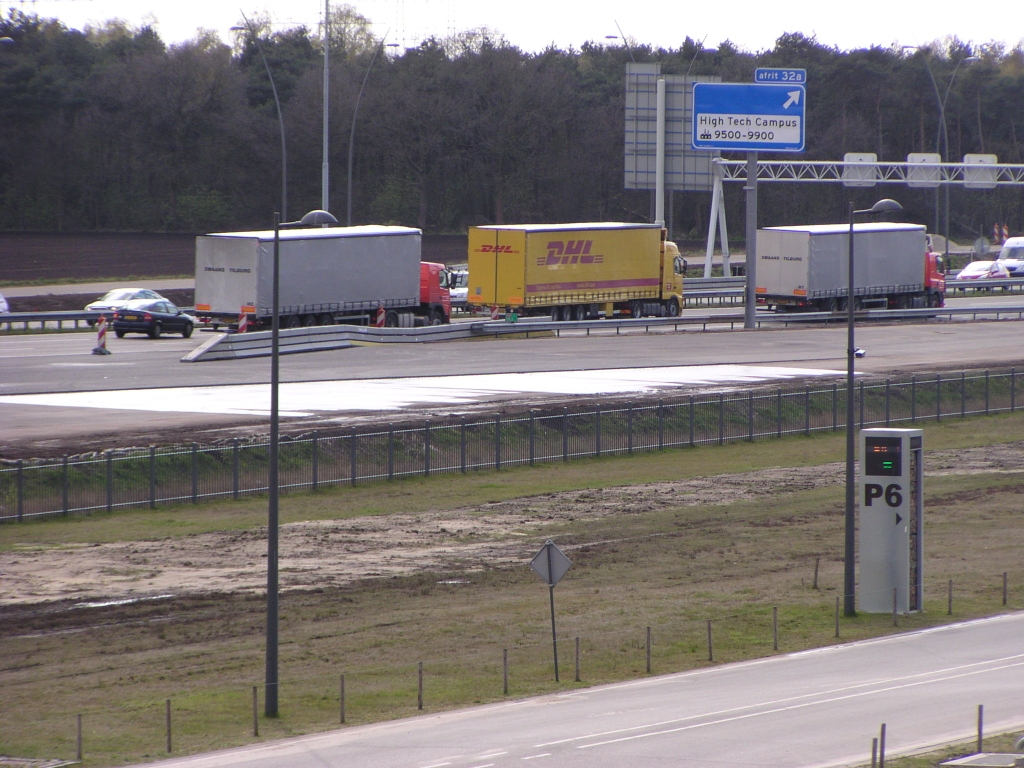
[575,271]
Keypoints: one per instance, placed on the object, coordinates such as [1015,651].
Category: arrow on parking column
[898,518]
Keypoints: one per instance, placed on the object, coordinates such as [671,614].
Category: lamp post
[352,133]
[325,171]
[849,572]
[280,120]
[942,134]
[311,219]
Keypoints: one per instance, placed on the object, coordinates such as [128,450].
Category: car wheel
[119,334]
[155,331]
[186,331]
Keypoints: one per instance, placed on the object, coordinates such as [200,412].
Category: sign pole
[750,305]
[554,636]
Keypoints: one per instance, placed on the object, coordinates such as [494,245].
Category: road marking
[795,706]
[534,757]
[775,702]
[485,765]
[489,755]
[436,765]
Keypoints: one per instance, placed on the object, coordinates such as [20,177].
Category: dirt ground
[332,553]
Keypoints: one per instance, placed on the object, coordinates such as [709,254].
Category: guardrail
[323,338]
[26,319]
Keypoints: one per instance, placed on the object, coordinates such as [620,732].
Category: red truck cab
[934,279]
[435,299]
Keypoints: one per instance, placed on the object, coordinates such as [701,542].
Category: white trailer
[338,274]
[806,267]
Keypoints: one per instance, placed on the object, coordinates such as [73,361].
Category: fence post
[778,415]
[750,416]
[775,628]
[835,407]
[532,438]
[1013,390]
[391,452]
[711,652]
[255,712]
[817,562]
[629,428]
[462,444]
[837,615]
[648,650]
[874,752]
[341,699]
[504,671]
[426,448]
[419,694]
[597,431]
[721,419]
[78,738]
[110,480]
[565,434]
[661,425]
[195,473]
[316,459]
[577,658]
[167,719]
[807,410]
[913,398]
[352,457]
[881,747]
[986,392]
[1004,587]
[862,404]
[497,441]
[65,490]
[981,725]
[234,468]
[887,402]
[963,394]
[21,491]
[949,608]
[693,413]
[938,397]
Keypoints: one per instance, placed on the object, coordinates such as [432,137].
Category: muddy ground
[332,553]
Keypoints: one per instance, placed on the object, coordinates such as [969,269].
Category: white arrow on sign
[794,98]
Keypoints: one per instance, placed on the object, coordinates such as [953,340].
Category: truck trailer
[328,275]
[806,267]
[575,271]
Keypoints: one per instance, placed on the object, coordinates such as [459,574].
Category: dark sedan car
[153,318]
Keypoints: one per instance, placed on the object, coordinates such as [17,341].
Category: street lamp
[280,120]
[942,133]
[850,578]
[6,41]
[311,219]
[352,133]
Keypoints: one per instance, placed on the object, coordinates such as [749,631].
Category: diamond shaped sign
[550,563]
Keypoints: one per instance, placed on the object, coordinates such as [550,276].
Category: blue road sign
[771,75]
[751,117]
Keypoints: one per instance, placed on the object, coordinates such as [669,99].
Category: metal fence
[121,478]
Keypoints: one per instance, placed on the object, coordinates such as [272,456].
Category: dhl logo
[495,249]
[569,252]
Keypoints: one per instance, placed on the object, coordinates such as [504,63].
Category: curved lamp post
[942,134]
[352,133]
[849,570]
[311,219]
[280,120]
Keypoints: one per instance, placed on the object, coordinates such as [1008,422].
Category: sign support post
[750,304]
[551,565]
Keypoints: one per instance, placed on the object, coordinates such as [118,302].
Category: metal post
[110,480]
[234,468]
[1013,389]
[462,443]
[255,712]
[778,414]
[693,413]
[750,416]
[565,434]
[963,394]
[661,425]
[597,431]
[426,448]
[835,407]
[711,651]
[195,473]
[861,404]
[849,567]
[325,164]
[419,694]
[913,399]
[986,393]
[837,615]
[167,719]
[938,396]
[554,635]
[817,562]
[21,491]
[577,658]
[391,453]
[750,303]
[497,441]
[352,468]
[981,726]
[881,747]
[65,506]
[152,477]
[949,608]
[504,671]
[1004,587]
[629,428]
[648,650]
[721,419]
[775,628]
[807,411]
[341,699]
[316,460]
[874,752]
[270,691]
[532,438]
[78,738]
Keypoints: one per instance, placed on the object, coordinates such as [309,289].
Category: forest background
[110,129]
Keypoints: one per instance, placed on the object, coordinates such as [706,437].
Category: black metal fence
[120,478]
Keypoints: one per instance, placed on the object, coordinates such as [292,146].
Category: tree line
[112,129]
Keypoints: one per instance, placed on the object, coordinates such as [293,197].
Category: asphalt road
[816,708]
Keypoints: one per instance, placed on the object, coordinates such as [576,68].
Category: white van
[1012,256]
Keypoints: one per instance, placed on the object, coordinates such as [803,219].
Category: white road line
[436,765]
[490,755]
[775,702]
[795,706]
[534,757]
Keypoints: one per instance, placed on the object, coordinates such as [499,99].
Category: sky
[535,24]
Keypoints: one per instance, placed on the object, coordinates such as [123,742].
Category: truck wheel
[292,321]
[326,319]
[556,315]
[566,313]
[673,307]
[831,305]
[579,312]
[636,308]
[391,319]
[437,316]
[308,321]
